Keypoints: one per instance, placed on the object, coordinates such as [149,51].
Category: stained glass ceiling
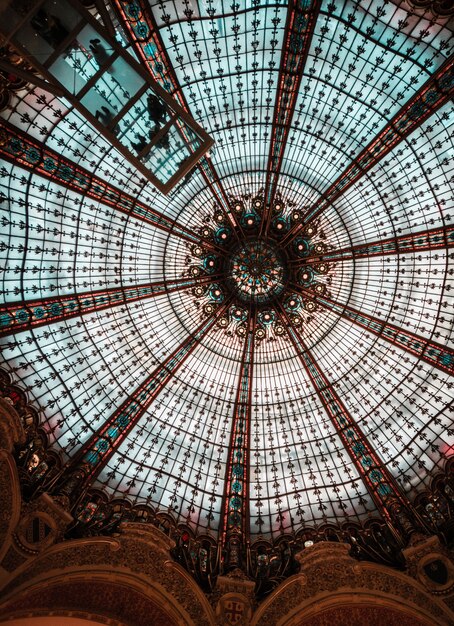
[340,113]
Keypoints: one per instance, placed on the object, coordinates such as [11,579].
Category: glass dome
[210,352]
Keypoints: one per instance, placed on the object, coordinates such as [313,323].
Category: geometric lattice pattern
[97,295]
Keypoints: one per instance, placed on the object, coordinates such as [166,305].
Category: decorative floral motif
[256,271]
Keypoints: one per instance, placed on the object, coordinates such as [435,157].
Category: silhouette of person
[99,52]
[156,109]
[163,142]
[105,116]
[140,144]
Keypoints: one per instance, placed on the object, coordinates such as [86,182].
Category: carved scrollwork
[438,8]
[327,570]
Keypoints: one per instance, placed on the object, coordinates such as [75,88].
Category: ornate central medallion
[256,272]
[272,276]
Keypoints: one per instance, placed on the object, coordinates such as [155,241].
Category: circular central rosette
[274,276]
[256,272]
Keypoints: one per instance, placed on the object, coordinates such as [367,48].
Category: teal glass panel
[143,121]
[167,155]
[67,75]
[112,91]
[91,52]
